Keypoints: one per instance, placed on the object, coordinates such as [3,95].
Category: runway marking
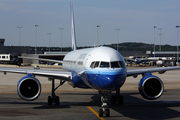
[92,110]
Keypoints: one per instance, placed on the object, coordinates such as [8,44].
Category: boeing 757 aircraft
[100,68]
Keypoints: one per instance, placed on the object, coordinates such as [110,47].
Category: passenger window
[104,65]
[115,64]
[96,65]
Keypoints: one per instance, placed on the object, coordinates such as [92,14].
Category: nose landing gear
[104,98]
[104,109]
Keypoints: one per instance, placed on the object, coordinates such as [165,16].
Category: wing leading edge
[67,76]
[150,70]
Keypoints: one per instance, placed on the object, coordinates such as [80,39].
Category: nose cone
[111,82]
[107,81]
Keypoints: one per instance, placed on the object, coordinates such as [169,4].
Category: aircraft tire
[120,100]
[107,112]
[113,99]
[100,112]
[57,100]
[49,100]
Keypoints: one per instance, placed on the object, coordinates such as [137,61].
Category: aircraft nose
[109,82]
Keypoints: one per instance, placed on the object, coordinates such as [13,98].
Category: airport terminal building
[56,55]
[13,49]
[6,51]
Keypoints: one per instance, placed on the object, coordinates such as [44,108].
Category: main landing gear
[117,98]
[114,98]
[53,98]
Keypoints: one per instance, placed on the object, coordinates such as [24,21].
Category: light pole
[98,35]
[177,45]
[36,38]
[160,38]
[19,35]
[49,40]
[61,37]
[154,40]
[118,39]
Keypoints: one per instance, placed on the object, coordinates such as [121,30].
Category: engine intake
[151,87]
[29,88]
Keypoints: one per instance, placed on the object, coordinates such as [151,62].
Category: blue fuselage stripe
[99,78]
[106,78]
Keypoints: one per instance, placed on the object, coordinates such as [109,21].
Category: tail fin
[73,35]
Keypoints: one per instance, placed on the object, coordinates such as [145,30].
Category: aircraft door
[73,65]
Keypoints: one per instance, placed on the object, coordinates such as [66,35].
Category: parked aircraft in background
[152,61]
[100,68]
[163,61]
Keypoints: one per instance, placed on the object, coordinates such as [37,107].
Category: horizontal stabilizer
[41,59]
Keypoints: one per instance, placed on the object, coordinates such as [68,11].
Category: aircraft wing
[41,59]
[150,70]
[45,73]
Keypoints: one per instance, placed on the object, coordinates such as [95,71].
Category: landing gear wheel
[100,112]
[113,99]
[120,100]
[57,100]
[107,112]
[50,100]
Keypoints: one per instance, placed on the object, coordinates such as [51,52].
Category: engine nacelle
[151,87]
[29,88]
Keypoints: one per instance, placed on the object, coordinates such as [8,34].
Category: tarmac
[84,104]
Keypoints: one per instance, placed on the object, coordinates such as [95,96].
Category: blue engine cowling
[151,87]
[29,88]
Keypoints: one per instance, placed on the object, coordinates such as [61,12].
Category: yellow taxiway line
[92,110]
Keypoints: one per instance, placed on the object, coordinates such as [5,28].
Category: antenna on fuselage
[73,35]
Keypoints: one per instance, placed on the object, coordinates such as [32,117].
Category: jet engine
[151,87]
[29,88]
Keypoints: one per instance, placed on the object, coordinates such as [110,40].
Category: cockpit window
[115,64]
[92,64]
[123,65]
[104,65]
[96,65]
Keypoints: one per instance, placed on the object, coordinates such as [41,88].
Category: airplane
[137,61]
[163,61]
[159,61]
[100,68]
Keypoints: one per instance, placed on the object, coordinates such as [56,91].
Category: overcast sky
[135,19]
